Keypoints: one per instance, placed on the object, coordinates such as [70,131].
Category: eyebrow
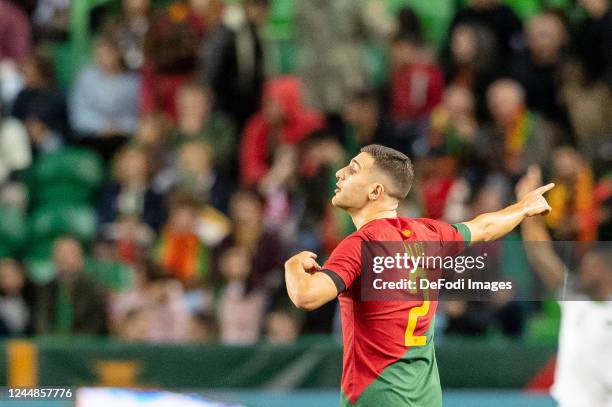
[356,162]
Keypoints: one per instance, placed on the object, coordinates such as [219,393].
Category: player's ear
[376,192]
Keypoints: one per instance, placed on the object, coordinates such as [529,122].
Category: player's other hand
[531,195]
[306,260]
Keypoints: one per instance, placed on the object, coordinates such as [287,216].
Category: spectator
[329,36]
[179,250]
[281,327]
[472,61]
[233,61]
[103,102]
[416,87]
[14,148]
[15,33]
[283,119]
[170,59]
[15,302]
[539,68]
[593,41]
[129,30]
[197,121]
[153,311]
[573,197]
[499,19]
[241,310]
[72,303]
[40,99]
[130,197]
[153,137]
[51,20]
[517,137]
[203,328]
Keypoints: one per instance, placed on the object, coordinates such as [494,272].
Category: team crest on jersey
[407,232]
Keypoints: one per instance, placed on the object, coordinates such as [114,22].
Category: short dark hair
[394,164]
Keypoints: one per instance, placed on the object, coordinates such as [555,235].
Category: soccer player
[582,375]
[389,357]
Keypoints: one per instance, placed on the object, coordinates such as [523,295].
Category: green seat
[69,176]
[50,222]
[112,274]
[13,230]
[40,271]
[435,15]
[280,19]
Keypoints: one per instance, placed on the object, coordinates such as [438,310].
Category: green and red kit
[389,357]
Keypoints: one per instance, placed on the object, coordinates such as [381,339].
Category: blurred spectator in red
[41,99]
[240,307]
[416,87]
[103,104]
[180,250]
[15,299]
[72,303]
[593,41]
[573,197]
[15,33]
[170,59]
[472,61]
[129,29]
[233,61]
[330,36]
[281,327]
[154,310]
[202,15]
[538,69]
[518,137]
[130,195]
[283,119]
[197,122]
[499,19]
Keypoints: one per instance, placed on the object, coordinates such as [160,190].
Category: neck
[362,216]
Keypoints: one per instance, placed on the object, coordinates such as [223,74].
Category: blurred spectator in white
[129,30]
[593,41]
[14,148]
[51,20]
[104,102]
[517,137]
[41,99]
[573,197]
[282,119]
[539,68]
[198,122]
[15,46]
[241,308]
[15,303]
[281,327]
[330,36]
[154,310]
[499,19]
[130,195]
[233,60]
[72,303]
[472,61]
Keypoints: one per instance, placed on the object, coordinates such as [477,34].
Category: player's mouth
[337,189]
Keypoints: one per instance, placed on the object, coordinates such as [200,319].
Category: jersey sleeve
[344,264]
[449,234]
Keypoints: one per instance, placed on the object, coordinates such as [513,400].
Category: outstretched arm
[492,226]
[541,255]
[307,287]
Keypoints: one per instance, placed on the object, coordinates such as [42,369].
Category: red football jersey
[375,332]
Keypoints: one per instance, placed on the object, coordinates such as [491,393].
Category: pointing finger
[545,188]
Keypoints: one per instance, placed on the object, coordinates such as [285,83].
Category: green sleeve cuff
[464,231]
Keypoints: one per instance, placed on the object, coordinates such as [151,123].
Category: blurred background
[160,160]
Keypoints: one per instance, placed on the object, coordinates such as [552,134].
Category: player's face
[354,182]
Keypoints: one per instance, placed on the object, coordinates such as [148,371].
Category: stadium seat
[49,222]
[13,230]
[111,274]
[434,14]
[40,271]
[66,177]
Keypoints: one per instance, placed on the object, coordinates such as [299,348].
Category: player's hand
[530,195]
[306,260]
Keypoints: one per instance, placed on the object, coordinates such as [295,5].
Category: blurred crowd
[215,168]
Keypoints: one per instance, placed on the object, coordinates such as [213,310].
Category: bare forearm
[541,254]
[493,225]
[296,281]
